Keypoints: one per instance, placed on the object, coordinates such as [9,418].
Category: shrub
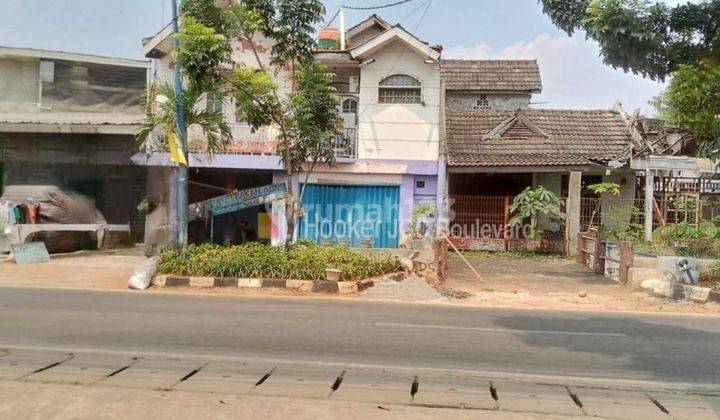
[303,261]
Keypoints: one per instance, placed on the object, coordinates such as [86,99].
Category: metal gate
[351,214]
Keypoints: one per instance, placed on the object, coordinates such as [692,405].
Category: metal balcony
[345,143]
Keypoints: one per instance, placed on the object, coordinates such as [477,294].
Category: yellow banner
[176,155]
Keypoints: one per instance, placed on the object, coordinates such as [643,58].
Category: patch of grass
[304,261]
[711,277]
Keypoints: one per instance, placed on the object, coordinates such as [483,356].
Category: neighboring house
[416,129]
[67,121]
[387,153]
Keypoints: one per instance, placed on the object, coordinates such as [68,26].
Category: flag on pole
[176,154]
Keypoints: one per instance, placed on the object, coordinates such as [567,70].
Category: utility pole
[182,170]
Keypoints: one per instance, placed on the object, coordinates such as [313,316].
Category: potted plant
[333,274]
[530,204]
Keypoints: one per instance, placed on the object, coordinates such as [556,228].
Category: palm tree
[162,115]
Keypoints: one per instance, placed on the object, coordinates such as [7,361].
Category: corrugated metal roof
[72,118]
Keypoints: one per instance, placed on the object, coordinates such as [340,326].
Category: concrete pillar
[649,199]
[407,201]
[572,221]
[441,194]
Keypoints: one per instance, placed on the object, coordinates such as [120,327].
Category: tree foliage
[656,40]
[164,119]
[651,39]
[531,203]
[692,100]
[286,90]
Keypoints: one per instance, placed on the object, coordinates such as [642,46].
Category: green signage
[237,200]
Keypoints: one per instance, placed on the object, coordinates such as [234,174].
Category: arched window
[400,89]
[349,106]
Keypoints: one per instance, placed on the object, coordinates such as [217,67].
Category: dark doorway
[493,184]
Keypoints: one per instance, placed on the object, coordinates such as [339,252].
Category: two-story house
[67,123]
[387,153]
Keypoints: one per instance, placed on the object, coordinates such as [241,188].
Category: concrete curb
[672,290]
[307,286]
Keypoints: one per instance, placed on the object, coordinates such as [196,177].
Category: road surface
[195,342]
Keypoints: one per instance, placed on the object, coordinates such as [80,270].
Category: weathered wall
[467,100]
[97,166]
[157,228]
[19,85]
[399,131]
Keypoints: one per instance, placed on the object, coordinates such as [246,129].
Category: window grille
[400,89]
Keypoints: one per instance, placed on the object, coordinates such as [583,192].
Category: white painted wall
[399,131]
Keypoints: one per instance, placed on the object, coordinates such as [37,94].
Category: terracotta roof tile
[571,138]
[491,75]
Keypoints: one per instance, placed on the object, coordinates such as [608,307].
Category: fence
[628,215]
[483,223]
[591,252]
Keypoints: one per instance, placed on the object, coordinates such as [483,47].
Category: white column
[649,199]
[572,221]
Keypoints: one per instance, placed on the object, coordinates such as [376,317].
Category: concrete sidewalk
[52,401]
[77,385]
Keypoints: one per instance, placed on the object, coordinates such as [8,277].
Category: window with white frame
[214,102]
[349,106]
[400,89]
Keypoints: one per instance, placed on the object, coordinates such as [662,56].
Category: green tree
[692,100]
[651,39]
[163,120]
[656,41]
[531,203]
[304,110]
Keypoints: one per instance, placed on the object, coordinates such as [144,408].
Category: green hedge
[304,261]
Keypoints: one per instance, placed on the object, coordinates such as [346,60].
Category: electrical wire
[384,6]
[405,46]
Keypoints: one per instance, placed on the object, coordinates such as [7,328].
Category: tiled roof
[72,118]
[491,75]
[561,137]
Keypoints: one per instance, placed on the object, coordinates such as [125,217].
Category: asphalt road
[666,348]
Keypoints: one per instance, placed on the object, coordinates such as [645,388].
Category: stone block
[202,281]
[347,287]
[300,285]
[176,281]
[324,286]
[279,283]
[249,283]
[159,281]
[696,293]
[225,282]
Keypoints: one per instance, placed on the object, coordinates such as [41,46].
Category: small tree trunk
[290,213]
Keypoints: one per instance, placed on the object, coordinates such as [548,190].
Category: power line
[399,56]
[329,22]
[384,6]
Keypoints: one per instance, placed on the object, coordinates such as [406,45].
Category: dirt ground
[510,281]
[83,270]
[552,283]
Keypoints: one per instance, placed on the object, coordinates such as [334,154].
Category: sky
[573,74]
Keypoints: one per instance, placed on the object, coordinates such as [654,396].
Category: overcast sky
[573,74]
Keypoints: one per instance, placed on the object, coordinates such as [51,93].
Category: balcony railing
[345,143]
